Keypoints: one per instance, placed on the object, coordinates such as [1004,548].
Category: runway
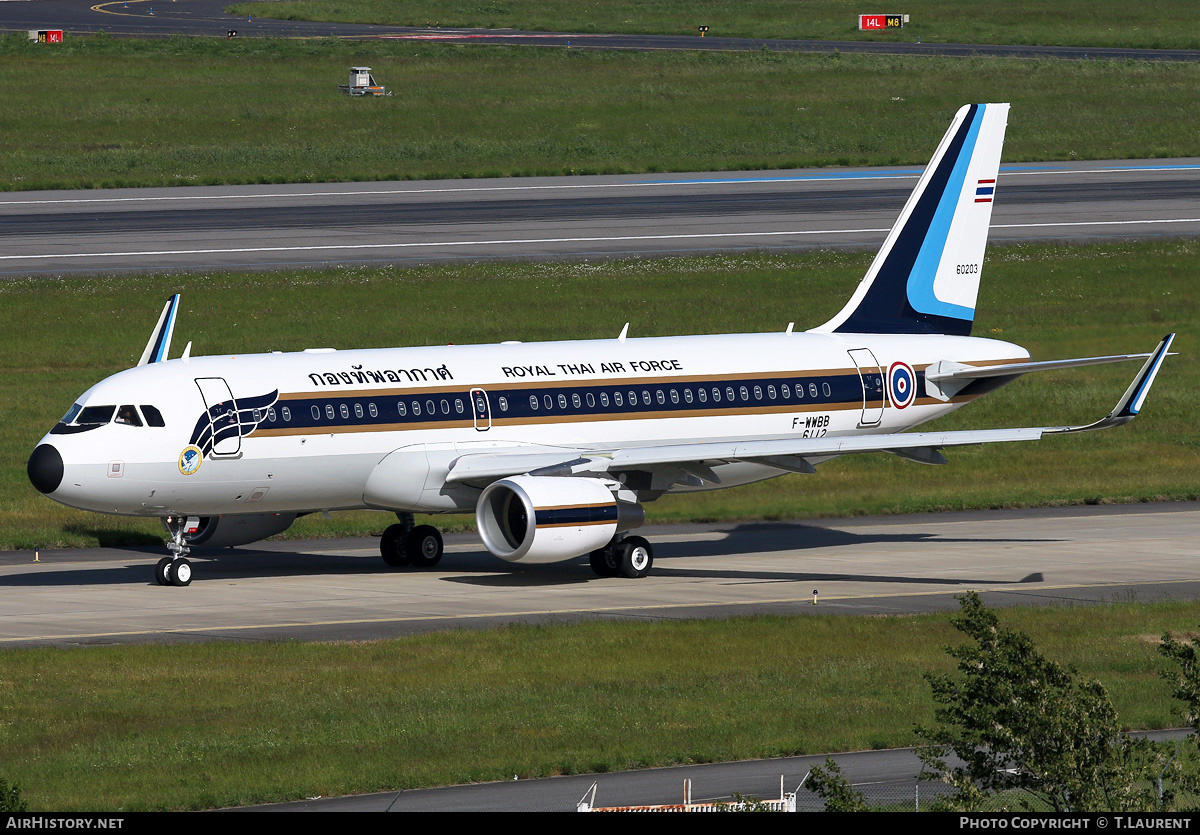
[340,589]
[307,225]
[165,18]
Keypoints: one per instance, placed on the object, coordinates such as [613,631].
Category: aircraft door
[871,375]
[482,410]
[222,415]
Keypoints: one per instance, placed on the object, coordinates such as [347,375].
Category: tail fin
[926,276]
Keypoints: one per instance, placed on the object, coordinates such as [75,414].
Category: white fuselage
[315,425]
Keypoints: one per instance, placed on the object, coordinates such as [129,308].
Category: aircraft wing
[793,454]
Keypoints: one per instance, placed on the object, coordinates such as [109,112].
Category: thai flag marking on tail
[984,191]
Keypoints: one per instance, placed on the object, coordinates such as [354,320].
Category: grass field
[1070,22]
[217,724]
[202,111]
[1056,301]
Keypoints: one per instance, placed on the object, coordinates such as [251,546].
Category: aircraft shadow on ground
[477,567]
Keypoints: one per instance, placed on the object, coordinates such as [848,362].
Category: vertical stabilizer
[925,278]
[160,341]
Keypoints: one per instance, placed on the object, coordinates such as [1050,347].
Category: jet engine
[540,519]
[227,531]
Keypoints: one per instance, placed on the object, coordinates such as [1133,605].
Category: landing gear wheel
[424,546]
[391,547]
[180,572]
[636,557]
[604,562]
[160,572]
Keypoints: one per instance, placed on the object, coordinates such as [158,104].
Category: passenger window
[329,411]
[549,401]
[533,404]
[458,405]
[429,408]
[758,392]
[358,410]
[674,396]
[416,408]
[703,395]
[812,389]
[687,395]
[660,397]
[744,392]
[646,396]
[604,399]
[445,404]
[371,407]
[826,390]
[287,414]
[591,400]
[771,392]
[503,404]
[400,408]
[576,401]
[562,401]
[154,416]
[345,410]
[316,413]
[716,395]
[617,398]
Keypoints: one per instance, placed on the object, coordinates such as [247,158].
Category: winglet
[160,340]
[1131,401]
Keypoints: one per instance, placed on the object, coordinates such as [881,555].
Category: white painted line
[517,241]
[446,190]
[434,244]
[802,178]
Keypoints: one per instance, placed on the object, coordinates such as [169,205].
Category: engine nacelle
[227,531]
[540,519]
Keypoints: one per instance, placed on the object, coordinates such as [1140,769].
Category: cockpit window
[128,416]
[95,415]
[153,416]
[71,413]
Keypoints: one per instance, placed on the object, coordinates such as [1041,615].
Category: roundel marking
[190,459]
[902,384]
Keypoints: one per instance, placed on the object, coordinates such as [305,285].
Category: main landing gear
[175,570]
[630,557]
[410,544]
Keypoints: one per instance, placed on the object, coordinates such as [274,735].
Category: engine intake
[539,519]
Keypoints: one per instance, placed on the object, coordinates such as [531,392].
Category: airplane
[557,446]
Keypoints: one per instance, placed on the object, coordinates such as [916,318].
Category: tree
[10,797]
[832,787]
[1018,721]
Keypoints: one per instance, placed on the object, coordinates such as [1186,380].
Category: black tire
[161,572]
[637,557]
[391,547]
[180,572]
[424,546]
[604,562]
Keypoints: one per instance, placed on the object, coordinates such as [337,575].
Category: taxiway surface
[540,218]
[340,589]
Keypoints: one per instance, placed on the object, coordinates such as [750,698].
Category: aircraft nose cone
[45,468]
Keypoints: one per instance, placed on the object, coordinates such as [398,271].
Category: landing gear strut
[630,557]
[175,570]
[409,544]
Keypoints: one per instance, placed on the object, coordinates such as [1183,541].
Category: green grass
[205,111]
[218,724]
[1059,302]
[1071,22]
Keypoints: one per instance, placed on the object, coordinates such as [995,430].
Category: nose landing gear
[175,570]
